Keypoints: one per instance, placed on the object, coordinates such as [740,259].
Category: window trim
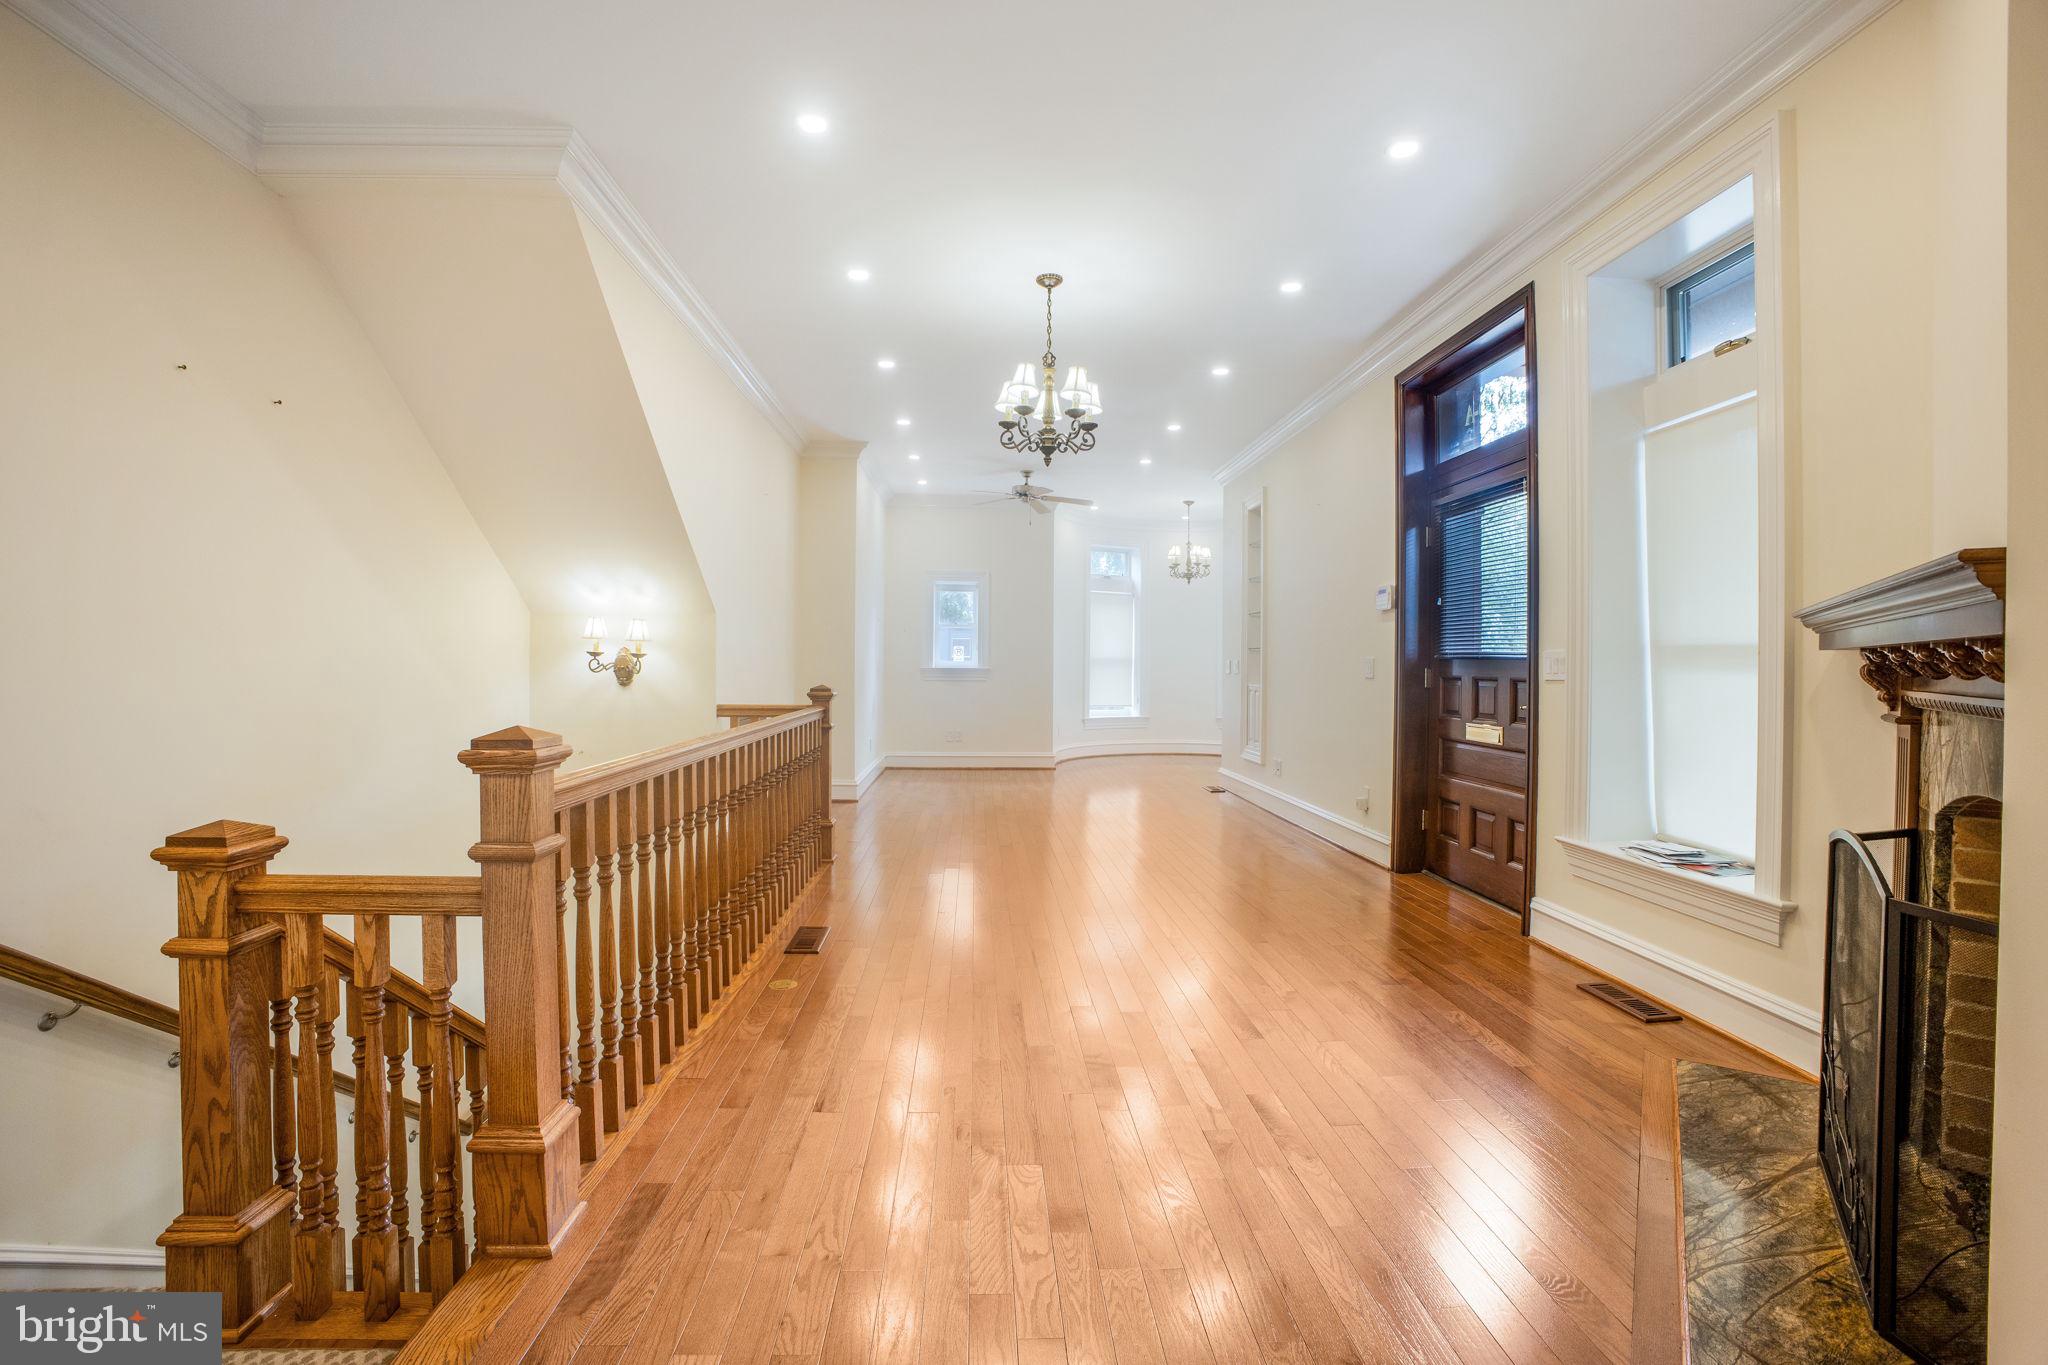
[1756,157]
[1137,716]
[977,671]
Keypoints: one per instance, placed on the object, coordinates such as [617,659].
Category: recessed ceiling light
[1092,507]
[1290,286]
[1400,149]
[885,364]
[920,483]
[1144,459]
[1219,370]
[1173,426]
[902,421]
[915,456]
[859,274]
[813,125]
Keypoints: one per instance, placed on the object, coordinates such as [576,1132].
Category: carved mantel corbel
[1892,669]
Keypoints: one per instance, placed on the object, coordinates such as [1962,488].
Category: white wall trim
[1209,748]
[1768,1022]
[380,148]
[1717,901]
[954,759]
[41,1256]
[1805,35]
[1348,835]
[858,787]
[1757,157]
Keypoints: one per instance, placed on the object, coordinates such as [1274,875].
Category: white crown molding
[1770,1023]
[1805,35]
[285,149]
[1328,826]
[141,64]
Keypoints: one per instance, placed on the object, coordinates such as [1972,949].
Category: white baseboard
[1765,1021]
[858,787]
[952,758]
[1209,748]
[35,1265]
[1348,835]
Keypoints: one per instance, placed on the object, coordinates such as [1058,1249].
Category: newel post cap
[821,695]
[220,845]
[515,747]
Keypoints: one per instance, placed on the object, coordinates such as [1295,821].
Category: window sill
[1115,722]
[1729,902]
[957,674]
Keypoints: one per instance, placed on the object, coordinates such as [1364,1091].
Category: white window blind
[1112,632]
[1484,598]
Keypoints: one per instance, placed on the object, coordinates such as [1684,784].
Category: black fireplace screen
[1905,1112]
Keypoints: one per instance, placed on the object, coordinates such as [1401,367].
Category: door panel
[1479,830]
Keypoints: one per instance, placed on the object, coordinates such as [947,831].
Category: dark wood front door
[1465,722]
[1478,820]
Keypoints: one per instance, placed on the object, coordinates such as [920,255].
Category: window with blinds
[1483,608]
[1112,633]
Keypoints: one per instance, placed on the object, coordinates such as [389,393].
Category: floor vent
[1216,790]
[1648,1011]
[809,939]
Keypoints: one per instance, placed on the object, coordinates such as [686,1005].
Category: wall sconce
[632,655]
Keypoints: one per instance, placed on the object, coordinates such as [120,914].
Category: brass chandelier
[1024,397]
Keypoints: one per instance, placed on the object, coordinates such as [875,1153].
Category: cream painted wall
[227,606]
[870,576]
[734,479]
[1969,268]
[2019,1215]
[1329,541]
[1007,716]
[485,303]
[1179,641]
[1863,404]
[827,525]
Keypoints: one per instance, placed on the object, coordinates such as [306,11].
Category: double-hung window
[959,625]
[1112,633]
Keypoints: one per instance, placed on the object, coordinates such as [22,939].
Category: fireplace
[1910,1003]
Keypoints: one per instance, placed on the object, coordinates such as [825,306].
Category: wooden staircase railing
[680,863]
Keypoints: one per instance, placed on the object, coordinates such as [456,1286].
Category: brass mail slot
[1480,732]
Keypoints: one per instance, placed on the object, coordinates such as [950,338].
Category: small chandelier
[1188,561]
[1024,396]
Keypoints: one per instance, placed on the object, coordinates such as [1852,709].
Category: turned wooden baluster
[590,1125]
[641,831]
[693,893]
[722,834]
[312,1256]
[376,1244]
[397,1036]
[284,1127]
[562,964]
[473,1064]
[440,1124]
[757,808]
[629,954]
[666,1031]
[330,1122]
[610,1066]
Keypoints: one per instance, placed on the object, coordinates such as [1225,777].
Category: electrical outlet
[1364,803]
[1278,767]
[952,736]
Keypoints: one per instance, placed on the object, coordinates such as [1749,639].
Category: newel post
[821,696]
[233,1236]
[523,1160]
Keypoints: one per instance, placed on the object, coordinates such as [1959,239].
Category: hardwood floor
[1098,1066]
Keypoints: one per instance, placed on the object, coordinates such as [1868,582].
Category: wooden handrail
[271,894]
[46,976]
[572,789]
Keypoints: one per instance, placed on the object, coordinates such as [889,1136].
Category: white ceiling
[1175,161]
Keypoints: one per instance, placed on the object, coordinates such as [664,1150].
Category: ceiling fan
[1036,498]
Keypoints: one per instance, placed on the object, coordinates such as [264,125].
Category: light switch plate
[1371,666]
[1553,665]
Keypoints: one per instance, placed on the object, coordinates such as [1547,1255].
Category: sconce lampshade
[636,631]
[593,629]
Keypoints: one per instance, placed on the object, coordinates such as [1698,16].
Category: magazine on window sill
[1687,858]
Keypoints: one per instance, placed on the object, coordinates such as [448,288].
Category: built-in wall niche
[1674,461]
[1254,597]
